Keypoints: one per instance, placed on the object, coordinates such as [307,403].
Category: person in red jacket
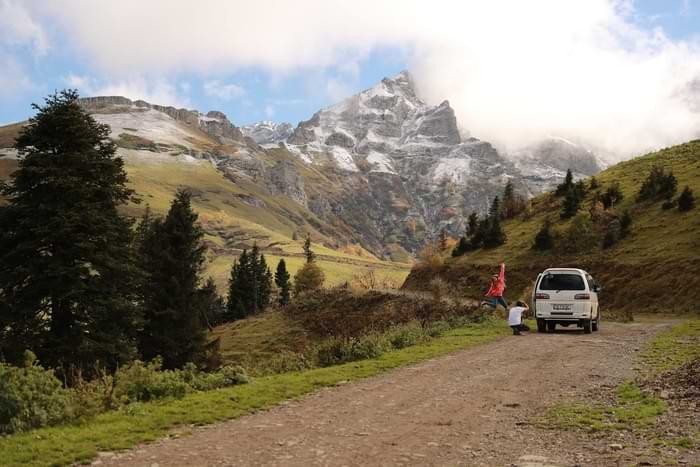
[498,286]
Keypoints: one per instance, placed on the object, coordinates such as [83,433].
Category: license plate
[561,307]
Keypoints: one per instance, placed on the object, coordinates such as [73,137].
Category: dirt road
[468,408]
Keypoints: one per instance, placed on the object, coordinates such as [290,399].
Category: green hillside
[233,222]
[654,268]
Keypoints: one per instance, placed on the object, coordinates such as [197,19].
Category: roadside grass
[672,348]
[149,421]
[632,408]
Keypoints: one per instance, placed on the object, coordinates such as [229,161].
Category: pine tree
[67,269]
[172,310]
[472,224]
[544,239]
[495,209]
[571,204]
[658,185]
[212,305]
[308,253]
[240,295]
[495,235]
[568,184]
[462,247]
[625,224]
[282,282]
[513,204]
[612,196]
[264,278]
[686,200]
[593,185]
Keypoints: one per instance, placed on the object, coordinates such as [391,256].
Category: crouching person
[515,318]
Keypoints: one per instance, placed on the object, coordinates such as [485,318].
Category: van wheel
[595,324]
[586,326]
[551,325]
[541,327]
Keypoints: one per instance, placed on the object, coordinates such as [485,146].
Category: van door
[593,287]
[533,302]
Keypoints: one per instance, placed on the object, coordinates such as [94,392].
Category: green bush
[405,336]
[141,382]
[31,397]
[335,351]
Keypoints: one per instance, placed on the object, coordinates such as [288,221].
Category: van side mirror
[597,288]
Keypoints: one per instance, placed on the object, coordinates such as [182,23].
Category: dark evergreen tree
[571,204]
[308,253]
[513,204]
[625,224]
[593,185]
[493,234]
[544,240]
[658,185]
[173,257]
[581,190]
[472,224]
[67,268]
[213,307]
[250,285]
[264,279]
[282,281]
[612,196]
[461,248]
[568,184]
[686,200]
[477,240]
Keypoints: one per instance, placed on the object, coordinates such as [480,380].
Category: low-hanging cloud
[514,71]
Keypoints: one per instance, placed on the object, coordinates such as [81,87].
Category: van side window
[591,282]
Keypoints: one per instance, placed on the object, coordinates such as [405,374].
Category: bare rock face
[213,123]
[284,179]
[267,132]
[411,158]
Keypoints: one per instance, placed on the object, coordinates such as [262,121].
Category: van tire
[595,324]
[586,326]
[551,326]
[541,326]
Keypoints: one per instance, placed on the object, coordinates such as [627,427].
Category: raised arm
[502,274]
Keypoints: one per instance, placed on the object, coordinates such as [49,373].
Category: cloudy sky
[620,75]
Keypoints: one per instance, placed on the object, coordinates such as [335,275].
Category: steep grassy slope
[656,268]
[235,212]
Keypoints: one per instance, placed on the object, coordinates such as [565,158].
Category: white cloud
[157,91]
[13,78]
[269,111]
[223,91]
[18,28]
[513,70]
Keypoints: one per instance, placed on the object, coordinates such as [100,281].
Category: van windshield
[562,282]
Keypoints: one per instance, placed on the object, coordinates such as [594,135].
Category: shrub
[438,289]
[658,185]
[668,204]
[571,204]
[140,382]
[308,279]
[686,201]
[405,336]
[31,397]
[544,240]
[612,196]
[336,350]
[625,224]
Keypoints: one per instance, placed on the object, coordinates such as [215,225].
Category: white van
[566,296]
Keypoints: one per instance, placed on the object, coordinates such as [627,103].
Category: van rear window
[562,282]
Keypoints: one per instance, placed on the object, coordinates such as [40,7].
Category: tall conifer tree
[66,263]
[174,253]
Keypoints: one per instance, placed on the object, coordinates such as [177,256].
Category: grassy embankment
[150,421]
[653,269]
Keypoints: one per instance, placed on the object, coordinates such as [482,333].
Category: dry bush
[438,289]
[370,280]
[430,257]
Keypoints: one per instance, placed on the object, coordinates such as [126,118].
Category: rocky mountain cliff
[381,169]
